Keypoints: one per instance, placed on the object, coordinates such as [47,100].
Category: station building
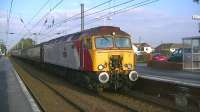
[191,53]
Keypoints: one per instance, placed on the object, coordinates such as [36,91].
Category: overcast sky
[155,23]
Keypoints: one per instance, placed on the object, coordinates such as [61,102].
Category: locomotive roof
[101,30]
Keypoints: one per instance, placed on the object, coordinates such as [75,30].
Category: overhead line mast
[8,22]
[82,17]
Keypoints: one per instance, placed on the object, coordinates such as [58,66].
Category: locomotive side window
[104,42]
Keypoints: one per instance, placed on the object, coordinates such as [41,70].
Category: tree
[2,47]
[24,43]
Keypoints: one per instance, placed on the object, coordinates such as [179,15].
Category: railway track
[37,98]
[61,94]
[106,101]
[174,97]
[153,99]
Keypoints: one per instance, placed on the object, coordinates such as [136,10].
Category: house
[1,51]
[140,48]
[171,47]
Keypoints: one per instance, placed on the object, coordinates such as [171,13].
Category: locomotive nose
[133,75]
[103,77]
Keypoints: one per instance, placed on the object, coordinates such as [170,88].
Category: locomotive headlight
[133,75]
[100,67]
[129,66]
[103,77]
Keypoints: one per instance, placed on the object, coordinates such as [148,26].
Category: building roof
[190,38]
[167,46]
[141,45]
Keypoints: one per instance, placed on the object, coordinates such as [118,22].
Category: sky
[164,21]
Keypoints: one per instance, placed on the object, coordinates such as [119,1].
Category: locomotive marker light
[133,75]
[129,66]
[113,33]
[101,67]
[103,77]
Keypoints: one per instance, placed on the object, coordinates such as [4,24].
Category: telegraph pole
[82,17]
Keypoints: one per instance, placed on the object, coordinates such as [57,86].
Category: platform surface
[12,96]
[177,77]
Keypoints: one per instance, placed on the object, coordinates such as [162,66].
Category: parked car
[176,56]
[159,57]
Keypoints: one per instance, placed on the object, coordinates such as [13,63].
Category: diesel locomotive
[103,56]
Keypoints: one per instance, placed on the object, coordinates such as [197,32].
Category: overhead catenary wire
[32,18]
[110,7]
[110,13]
[146,2]
[8,20]
[35,15]
[78,14]
[55,6]
[122,10]
[48,13]
[96,12]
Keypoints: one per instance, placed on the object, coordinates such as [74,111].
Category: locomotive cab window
[104,42]
[122,42]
